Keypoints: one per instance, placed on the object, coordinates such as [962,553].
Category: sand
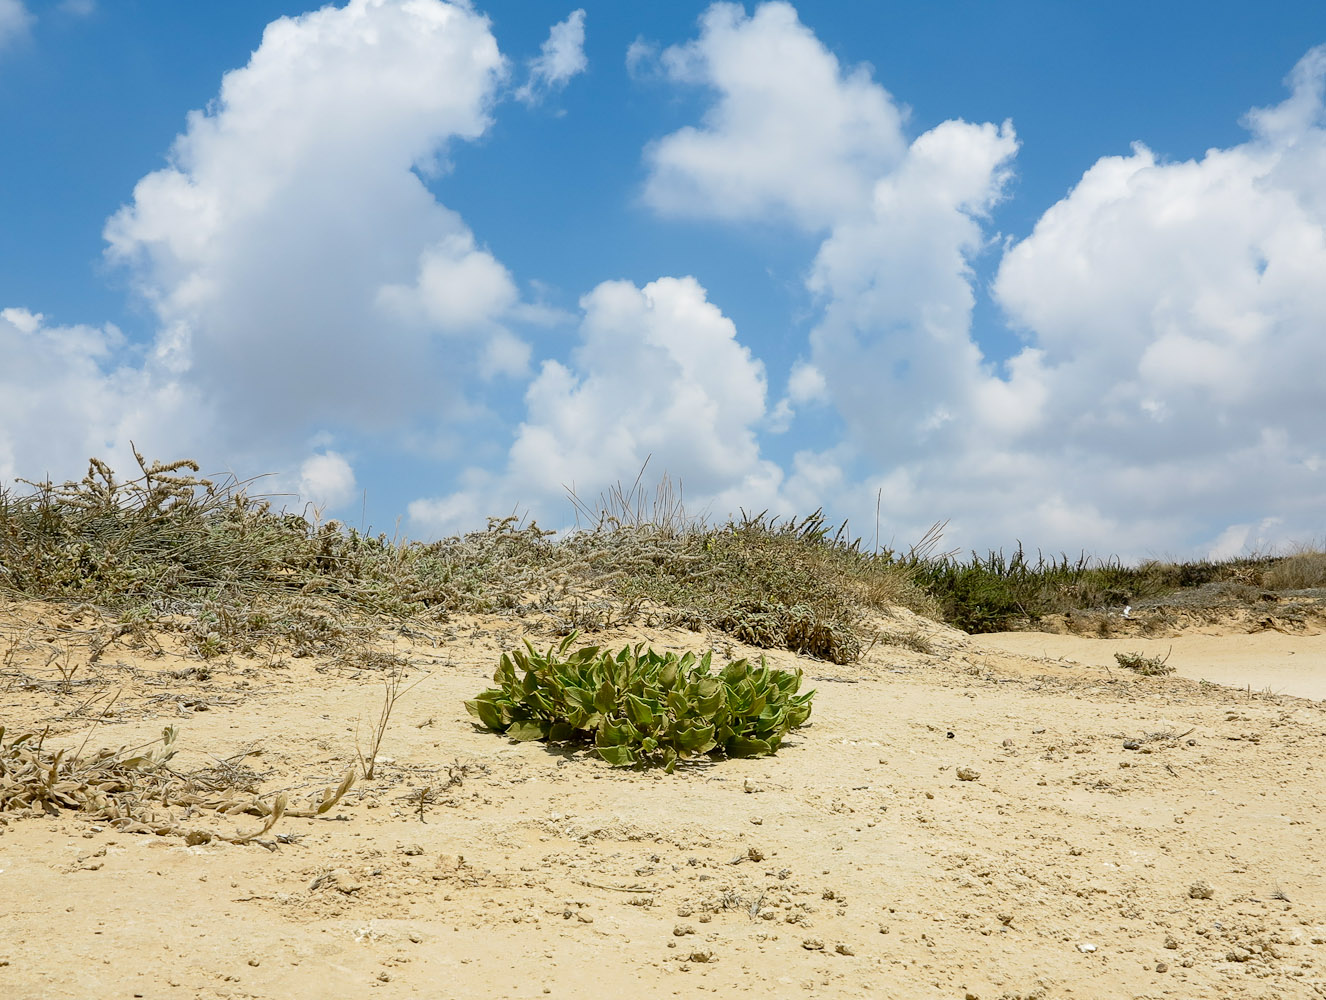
[1285,663]
[1117,837]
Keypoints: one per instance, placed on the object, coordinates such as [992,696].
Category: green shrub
[642,707]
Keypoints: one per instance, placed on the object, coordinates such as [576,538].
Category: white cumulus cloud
[304,281]
[1178,310]
[561,58]
[790,133]
[658,374]
[327,479]
[68,393]
[1168,393]
[301,266]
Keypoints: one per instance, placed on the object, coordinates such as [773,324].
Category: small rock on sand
[1200,890]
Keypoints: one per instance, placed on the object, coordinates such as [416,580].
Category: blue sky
[1035,268]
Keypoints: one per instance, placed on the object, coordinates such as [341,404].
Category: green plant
[642,707]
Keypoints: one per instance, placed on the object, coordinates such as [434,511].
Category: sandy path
[855,863]
[1287,664]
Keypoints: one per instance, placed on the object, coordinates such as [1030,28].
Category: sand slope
[1292,664]
[855,863]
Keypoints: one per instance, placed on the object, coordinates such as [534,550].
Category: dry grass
[135,789]
[171,549]
[1147,666]
[1304,570]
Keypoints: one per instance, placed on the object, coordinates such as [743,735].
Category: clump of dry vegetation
[135,789]
[1147,666]
[170,549]
[173,549]
[1302,570]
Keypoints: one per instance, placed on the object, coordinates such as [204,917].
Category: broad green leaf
[486,711]
[739,746]
[617,756]
[523,732]
[641,713]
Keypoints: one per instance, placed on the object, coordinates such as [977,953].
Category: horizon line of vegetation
[168,540]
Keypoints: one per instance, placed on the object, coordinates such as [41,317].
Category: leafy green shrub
[642,707]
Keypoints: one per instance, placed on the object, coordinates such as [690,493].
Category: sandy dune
[855,863]
[1286,663]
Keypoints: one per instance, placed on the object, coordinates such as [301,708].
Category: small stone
[1237,954]
[748,786]
[705,957]
[342,881]
[254,962]
[1131,745]
[684,911]
[413,850]
[812,944]
[1005,918]
[384,977]
[754,854]
[1086,948]
[584,918]
[968,774]
[1162,967]
[1171,942]
[415,937]
[883,928]
[1200,890]
[844,949]
[757,820]
[681,930]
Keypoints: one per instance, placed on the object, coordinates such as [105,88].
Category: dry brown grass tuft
[135,788]
[1305,570]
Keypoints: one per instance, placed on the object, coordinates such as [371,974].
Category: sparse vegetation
[169,549]
[393,681]
[996,592]
[234,573]
[1303,570]
[134,788]
[639,707]
[1147,666]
